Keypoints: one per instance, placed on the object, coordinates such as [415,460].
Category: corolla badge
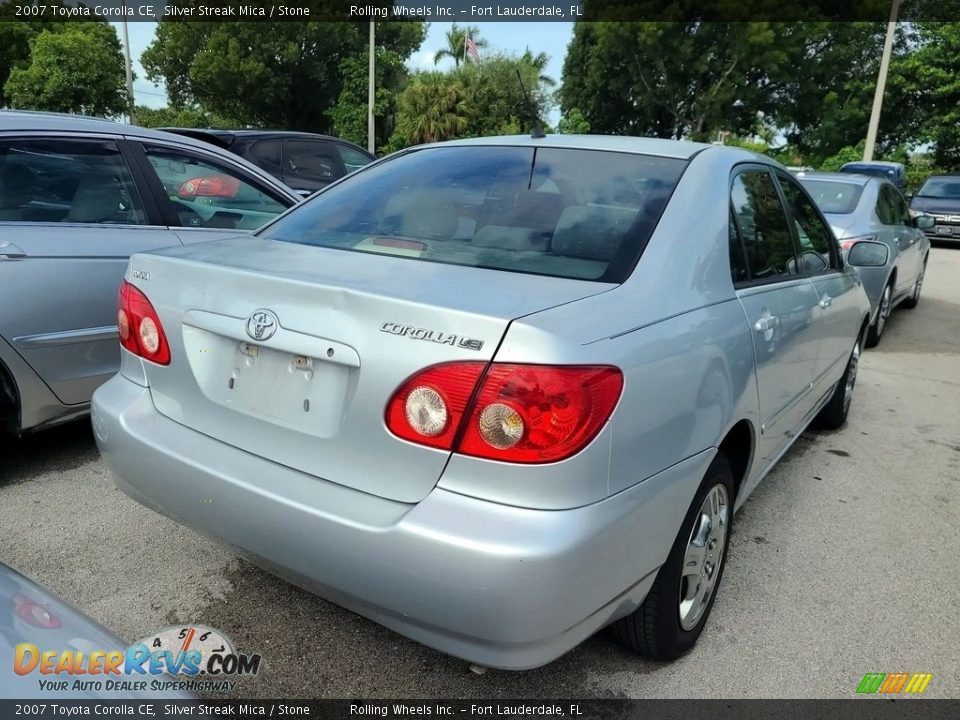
[262,324]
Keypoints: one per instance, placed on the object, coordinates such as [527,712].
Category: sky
[510,37]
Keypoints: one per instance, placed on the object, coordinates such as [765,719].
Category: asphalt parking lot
[843,562]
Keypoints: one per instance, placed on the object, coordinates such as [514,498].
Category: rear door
[781,305]
[71,213]
[204,196]
[910,239]
[840,311]
[897,235]
[309,165]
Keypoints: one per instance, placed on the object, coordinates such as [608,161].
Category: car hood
[939,206]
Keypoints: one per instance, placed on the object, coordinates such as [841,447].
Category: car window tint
[738,260]
[886,210]
[206,194]
[352,158]
[70,181]
[562,212]
[942,188]
[310,161]
[266,154]
[901,213]
[763,226]
[838,198]
[816,244]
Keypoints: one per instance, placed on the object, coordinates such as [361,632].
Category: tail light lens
[222,186]
[519,413]
[34,614]
[139,326]
[847,243]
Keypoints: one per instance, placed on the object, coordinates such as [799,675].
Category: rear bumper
[500,586]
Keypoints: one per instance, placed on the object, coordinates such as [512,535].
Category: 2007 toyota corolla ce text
[495,394]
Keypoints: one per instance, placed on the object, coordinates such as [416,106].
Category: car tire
[668,624]
[875,331]
[914,299]
[834,414]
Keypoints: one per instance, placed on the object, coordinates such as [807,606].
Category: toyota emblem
[262,324]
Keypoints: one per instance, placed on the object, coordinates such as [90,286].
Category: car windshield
[567,213]
[941,188]
[833,197]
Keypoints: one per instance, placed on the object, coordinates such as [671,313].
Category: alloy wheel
[703,557]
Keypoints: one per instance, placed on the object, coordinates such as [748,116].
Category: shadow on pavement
[59,449]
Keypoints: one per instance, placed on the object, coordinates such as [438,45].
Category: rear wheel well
[737,446]
[9,401]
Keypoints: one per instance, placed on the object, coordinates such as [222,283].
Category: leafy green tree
[540,62]
[573,123]
[432,108]
[930,82]
[76,69]
[273,74]
[15,38]
[671,79]
[187,117]
[457,44]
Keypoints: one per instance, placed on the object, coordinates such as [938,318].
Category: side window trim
[743,250]
[760,167]
[834,248]
[71,137]
[145,179]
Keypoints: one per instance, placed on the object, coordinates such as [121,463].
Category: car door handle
[766,324]
[9,251]
[826,301]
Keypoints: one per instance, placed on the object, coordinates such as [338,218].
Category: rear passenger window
[816,244]
[68,181]
[886,210]
[763,226]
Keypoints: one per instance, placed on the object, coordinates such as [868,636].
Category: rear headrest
[97,199]
[512,207]
[414,213]
[507,238]
[594,232]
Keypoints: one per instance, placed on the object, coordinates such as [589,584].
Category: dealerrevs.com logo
[898,683]
[192,658]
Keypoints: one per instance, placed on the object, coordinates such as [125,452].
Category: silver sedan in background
[861,208]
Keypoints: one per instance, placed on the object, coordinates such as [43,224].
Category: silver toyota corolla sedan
[862,208]
[78,196]
[495,394]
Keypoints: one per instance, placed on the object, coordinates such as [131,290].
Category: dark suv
[940,196]
[304,161]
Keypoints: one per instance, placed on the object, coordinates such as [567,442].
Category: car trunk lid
[291,352]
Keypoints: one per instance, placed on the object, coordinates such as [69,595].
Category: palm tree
[539,62]
[432,108]
[456,44]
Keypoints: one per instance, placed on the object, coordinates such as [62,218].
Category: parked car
[893,171]
[867,208]
[939,196]
[78,196]
[31,614]
[305,161]
[495,394]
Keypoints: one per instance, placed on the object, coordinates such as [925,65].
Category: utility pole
[371,93]
[126,62]
[881,83]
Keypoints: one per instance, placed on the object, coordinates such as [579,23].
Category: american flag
[472,47]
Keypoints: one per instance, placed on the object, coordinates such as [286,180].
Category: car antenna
[537,127]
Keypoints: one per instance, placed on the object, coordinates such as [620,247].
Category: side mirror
[924,222]
[867,253]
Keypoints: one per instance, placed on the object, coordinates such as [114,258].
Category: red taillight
[429,406]
[139,326]
[34,614]
[520,413]
[222,186]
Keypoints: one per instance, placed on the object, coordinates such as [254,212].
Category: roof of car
[62,122]
[877,163]
[849,178]
[682,149]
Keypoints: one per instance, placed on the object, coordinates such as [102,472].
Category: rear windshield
[837,198]
[941,188]
[568,213]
